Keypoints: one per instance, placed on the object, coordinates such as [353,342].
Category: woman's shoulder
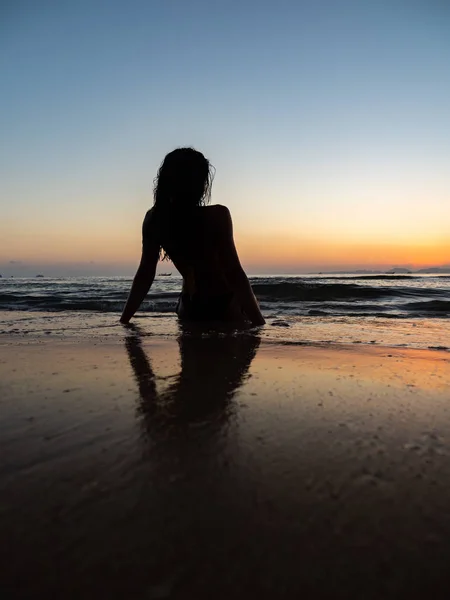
[150,221]
[218,219]
[217,211]
[215,208]
[148,215]
[213,214]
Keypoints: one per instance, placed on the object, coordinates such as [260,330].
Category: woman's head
[184,180]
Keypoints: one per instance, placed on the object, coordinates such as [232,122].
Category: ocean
[390,310]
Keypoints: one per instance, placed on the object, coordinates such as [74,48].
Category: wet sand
[218,468]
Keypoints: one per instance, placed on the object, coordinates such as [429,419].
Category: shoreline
[433,334]
[21,339]
[222,467]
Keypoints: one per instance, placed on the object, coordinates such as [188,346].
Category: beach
[222,466]
[225,300]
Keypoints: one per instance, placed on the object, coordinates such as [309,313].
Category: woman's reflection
[213,367]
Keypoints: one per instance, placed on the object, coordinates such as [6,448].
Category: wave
[318,292]
[429,276]
[440,306]
[370,277]
[290,297]
[158,302]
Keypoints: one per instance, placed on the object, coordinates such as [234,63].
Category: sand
[222,468]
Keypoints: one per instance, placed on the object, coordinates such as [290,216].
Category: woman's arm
[234,272]
[145,273]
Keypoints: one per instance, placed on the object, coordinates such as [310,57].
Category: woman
[198,239]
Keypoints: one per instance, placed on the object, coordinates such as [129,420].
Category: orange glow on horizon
[263,251]
[278,250]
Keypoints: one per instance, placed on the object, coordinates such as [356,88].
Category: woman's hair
[184,180]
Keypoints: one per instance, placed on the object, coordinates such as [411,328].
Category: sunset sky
[328,123]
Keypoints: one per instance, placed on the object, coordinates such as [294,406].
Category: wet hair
[183,182]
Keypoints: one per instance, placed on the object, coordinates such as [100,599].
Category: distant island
[434,270]
[394,271]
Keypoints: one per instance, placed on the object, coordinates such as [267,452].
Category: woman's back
[194,243]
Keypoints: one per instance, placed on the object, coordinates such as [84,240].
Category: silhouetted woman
[198,239]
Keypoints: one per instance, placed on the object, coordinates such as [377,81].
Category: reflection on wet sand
[179,477]
[213,368]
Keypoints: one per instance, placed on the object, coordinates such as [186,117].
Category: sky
[327,122]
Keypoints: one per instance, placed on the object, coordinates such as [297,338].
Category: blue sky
[327,121]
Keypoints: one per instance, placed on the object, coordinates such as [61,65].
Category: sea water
[392,310]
